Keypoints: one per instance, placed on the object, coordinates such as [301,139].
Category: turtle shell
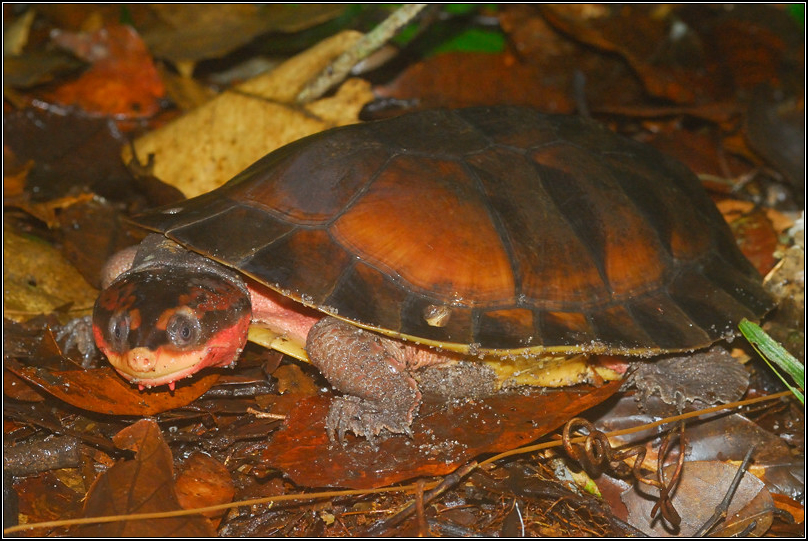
[498,230]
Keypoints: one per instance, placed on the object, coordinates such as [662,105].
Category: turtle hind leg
[371,371]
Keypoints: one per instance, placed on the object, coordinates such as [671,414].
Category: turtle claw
[365,419]
[78,332]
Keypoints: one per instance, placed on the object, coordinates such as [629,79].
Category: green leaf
[474,40]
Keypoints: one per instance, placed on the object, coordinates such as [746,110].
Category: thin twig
[373,40]
[722,508]
[448,482]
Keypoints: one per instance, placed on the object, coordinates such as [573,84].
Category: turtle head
[158,325]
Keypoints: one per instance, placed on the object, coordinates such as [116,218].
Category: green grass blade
[770,350]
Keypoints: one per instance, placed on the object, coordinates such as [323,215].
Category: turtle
[431,238]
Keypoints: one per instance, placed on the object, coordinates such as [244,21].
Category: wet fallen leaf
[203,481]
[37,279]
[33,343]
[17,388]
[122,82]
[142,485]
[702,487]
[63,154]
[446,435]
[31,69]
[704,153]
[790,506]
[103,391]
[583,73]
[15,174]
[214,142]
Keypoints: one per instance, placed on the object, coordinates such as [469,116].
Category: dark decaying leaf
[446,435]
[69,152]
[192,32]
[92,232]
[754,232]
[21,71]
[749,44]
[775,128]
[142,485]
[679,77]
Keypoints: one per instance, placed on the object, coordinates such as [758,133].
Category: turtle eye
[184,329]
[118,331]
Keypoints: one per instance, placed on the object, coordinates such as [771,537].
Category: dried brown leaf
[214,142]
[142,485]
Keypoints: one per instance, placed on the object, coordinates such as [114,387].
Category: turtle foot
[365,419]
[371,371]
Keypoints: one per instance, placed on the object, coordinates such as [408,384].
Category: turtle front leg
[372,372]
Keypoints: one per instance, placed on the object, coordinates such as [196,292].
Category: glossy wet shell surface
[495,228]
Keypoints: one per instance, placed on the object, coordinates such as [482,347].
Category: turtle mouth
[152,368]
[165,365]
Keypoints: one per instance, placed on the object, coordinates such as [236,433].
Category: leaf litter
[262,457]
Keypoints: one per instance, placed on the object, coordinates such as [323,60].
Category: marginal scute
[539,232]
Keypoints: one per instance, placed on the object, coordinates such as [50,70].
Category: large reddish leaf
[103,391]
[446,435]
